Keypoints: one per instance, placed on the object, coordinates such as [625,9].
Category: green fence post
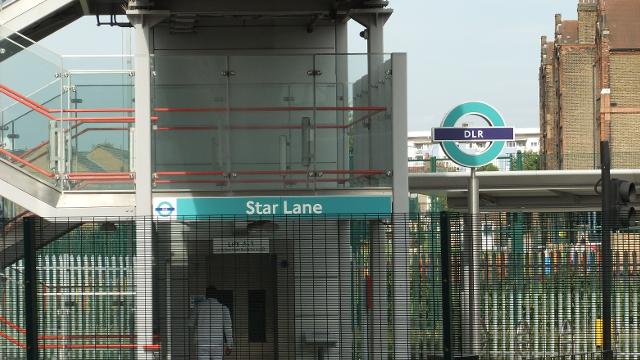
[517,250]
[433,162]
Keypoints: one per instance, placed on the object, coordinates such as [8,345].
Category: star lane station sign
[450,134]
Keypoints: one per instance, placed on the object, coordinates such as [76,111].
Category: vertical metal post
[143,268]
[378,319]
[472,254]
[445,270]
[606,263]
[517,252]
[400,208]
[30,287]
[375,50]
[519,161]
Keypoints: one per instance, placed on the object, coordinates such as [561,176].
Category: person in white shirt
[214,331]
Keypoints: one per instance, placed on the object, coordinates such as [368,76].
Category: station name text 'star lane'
[283,208]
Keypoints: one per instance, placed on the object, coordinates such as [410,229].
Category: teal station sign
[449,135]
[171,208]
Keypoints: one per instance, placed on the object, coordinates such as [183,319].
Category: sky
[462,50]
[458,50]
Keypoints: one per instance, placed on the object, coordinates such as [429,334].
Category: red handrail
[272,109]
[37,107]
[254,181]
[34,149]
[26,98]
[97,110]
[187,173]
[26,163]
[272,172]
[75,337]
[28,104]
[84,131]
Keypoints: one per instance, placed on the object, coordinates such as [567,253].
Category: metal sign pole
[497,133]
[473,258]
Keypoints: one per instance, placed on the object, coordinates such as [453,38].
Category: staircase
[12,246]
[36,19]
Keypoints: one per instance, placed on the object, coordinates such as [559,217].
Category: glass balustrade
[272,122]
[98,122]
[256,122]
[30,99]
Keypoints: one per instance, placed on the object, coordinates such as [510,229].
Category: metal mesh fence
[500,286]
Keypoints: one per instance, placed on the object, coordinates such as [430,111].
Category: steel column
[400,207]
[143,268]
[472,255]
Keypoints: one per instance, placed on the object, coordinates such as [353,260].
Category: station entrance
[246,284]
[287,284]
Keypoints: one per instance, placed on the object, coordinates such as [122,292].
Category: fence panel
[322,286]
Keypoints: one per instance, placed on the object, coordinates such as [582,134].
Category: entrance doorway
[247,284]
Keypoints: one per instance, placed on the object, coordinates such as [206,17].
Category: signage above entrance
[496,133]
[172,208]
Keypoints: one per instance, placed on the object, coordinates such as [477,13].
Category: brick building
[590,86]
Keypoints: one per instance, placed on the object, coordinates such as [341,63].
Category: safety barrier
[537,286]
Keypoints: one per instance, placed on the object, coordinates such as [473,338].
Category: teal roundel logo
[165,209]
[493,119]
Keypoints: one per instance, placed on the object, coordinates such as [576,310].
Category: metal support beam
[471,256]
[400,207]
[143,271]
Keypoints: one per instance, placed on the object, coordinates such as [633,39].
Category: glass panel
[99,116]
[271,122]
[353,119]
[190,99]
[30,95]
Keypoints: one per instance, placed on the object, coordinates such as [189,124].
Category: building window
[511,143]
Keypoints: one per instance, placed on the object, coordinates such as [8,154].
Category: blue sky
[458,50]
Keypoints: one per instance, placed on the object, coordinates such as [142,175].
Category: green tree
[488,167]
[530,160]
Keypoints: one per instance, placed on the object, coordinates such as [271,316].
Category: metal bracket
[314,72]
[228,73]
